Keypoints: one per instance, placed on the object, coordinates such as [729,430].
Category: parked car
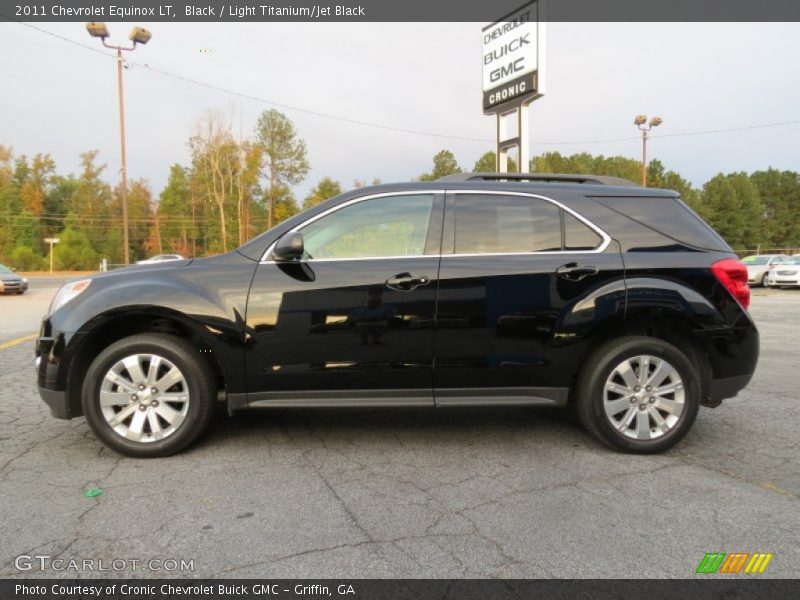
[759,266]
[787,274]
[160,258]
[11,283]
[481,289]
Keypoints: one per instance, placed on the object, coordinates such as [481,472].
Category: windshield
[794,260]
[4,269]
[756,260]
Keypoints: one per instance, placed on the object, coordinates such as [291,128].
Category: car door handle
[405,282]
[575,272]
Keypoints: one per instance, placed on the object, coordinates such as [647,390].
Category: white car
[759,266]
[785,274]
[159,259]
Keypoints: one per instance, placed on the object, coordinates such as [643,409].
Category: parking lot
[505,492]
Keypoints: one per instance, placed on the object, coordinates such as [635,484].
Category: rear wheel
[638,394]
[148,395]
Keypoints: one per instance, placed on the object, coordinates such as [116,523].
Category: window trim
[606,239]
[450,215]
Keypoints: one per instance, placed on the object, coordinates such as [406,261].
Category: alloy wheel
[644,397]
[144,398]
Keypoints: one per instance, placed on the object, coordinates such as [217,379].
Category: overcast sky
[61,98]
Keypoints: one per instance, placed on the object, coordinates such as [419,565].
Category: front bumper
[50,378]
[57,401]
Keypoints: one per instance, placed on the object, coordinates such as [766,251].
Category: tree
[731,204]
[488,163]
[88,205]
[780,196]
[26,258]
[326,188]
[75,252]
[174,213]
[284,154]
[214,163]
[444,164]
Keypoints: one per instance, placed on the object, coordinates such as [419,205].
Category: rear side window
[490,224]
[670,217]
[578,235]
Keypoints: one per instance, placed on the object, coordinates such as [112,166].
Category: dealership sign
[513,59]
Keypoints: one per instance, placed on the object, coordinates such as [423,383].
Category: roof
[542,177]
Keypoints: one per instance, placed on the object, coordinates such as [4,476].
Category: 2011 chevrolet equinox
[479,289]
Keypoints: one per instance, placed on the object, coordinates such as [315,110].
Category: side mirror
[289,247]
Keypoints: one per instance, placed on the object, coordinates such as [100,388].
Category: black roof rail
[541,177]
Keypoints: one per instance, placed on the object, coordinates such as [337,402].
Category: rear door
[521,284]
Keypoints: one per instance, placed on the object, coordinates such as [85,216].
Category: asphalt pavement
[503,492]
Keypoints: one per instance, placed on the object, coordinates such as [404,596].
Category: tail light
[732,274]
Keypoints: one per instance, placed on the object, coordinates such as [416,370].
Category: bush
[25,258]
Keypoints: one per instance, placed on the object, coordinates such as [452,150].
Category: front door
[353,322]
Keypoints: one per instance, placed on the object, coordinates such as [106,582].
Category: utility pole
[138,35]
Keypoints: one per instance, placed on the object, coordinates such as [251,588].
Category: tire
[764,281]
[173,417]
[658,421]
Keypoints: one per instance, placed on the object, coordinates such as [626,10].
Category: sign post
[513,76]
[52,242]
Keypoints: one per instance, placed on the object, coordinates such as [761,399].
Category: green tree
[177,227]
[284,154]
[88,206]
[731,204]
[444,164]
[488,163]
[780,197]
[75,252]
[25,258]
[326,188]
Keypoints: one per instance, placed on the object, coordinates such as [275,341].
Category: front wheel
[764,281]
[638,394]
[148,395]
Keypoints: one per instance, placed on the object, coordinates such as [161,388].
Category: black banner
[400,589]
[407,10]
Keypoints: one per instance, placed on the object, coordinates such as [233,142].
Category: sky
[60,98]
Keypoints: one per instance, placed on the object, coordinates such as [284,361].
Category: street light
[138,35]
[641,122]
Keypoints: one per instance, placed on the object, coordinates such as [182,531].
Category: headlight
[24,280]
[67,292]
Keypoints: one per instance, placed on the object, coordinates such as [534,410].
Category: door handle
[575,272]
[405,282]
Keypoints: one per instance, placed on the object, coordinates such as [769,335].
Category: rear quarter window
[670,217]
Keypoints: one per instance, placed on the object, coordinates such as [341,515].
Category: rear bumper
[720,389]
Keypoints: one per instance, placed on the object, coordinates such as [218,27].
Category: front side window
[381,227]
[490,224]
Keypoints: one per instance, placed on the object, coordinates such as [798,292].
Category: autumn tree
[284,155]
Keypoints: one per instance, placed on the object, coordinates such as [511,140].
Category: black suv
[478,289]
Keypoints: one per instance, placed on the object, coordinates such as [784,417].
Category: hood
[161,267]
[10,277]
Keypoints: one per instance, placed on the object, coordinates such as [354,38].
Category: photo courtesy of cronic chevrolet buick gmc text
[477,289]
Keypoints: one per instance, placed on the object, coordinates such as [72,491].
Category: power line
[390,127]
